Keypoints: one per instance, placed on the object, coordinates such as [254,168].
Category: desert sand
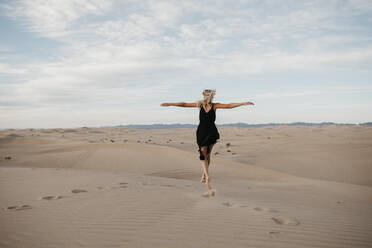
[276,186]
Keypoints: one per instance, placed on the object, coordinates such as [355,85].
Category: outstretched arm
[179,104]
[232,105]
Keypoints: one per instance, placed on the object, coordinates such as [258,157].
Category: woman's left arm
[232,105]
[179,104]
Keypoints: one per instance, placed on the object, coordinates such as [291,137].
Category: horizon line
[191,124]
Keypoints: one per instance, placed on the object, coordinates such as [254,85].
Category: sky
[74,63]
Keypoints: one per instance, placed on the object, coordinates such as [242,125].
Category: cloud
[113,53]
[8,69]
[53,18]
[324,91]
[59,84]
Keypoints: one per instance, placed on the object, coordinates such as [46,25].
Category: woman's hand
[248,103]
[165,104]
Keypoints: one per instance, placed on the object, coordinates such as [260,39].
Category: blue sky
[78,63]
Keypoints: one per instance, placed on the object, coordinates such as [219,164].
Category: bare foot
[202,180]
[208,180]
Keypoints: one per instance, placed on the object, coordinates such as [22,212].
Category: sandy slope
[140,188]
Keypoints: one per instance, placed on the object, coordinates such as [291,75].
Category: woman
[207,133]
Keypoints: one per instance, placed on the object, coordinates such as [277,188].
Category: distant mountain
[159,126]
[240,124]
[366,124]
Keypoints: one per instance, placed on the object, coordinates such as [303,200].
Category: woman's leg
[203,149]
[208,159]
[209,154]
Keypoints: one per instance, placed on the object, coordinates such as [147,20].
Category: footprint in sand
[266,210]
[103,188]
[228,204]
[123,185]
[209,193]
[19,207]
[146,184]
[274,234]
[51,197]
[75,191]
[167,185]
[285,221]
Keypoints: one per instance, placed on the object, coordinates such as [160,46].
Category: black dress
[207,132]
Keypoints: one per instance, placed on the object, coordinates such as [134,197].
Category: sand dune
[103,188]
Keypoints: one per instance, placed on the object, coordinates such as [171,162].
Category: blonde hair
[208,95]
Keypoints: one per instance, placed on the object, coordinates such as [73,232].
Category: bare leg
[209,161]
[202,180]
[209,154]
[207,178]
[203,149]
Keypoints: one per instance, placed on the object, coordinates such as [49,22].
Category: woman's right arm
[232,105]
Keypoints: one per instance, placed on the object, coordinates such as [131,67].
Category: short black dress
[206,133]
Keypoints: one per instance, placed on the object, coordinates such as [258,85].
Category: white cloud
[54,18]
[66,85]
[323,91]
[137,49]
[8,69]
